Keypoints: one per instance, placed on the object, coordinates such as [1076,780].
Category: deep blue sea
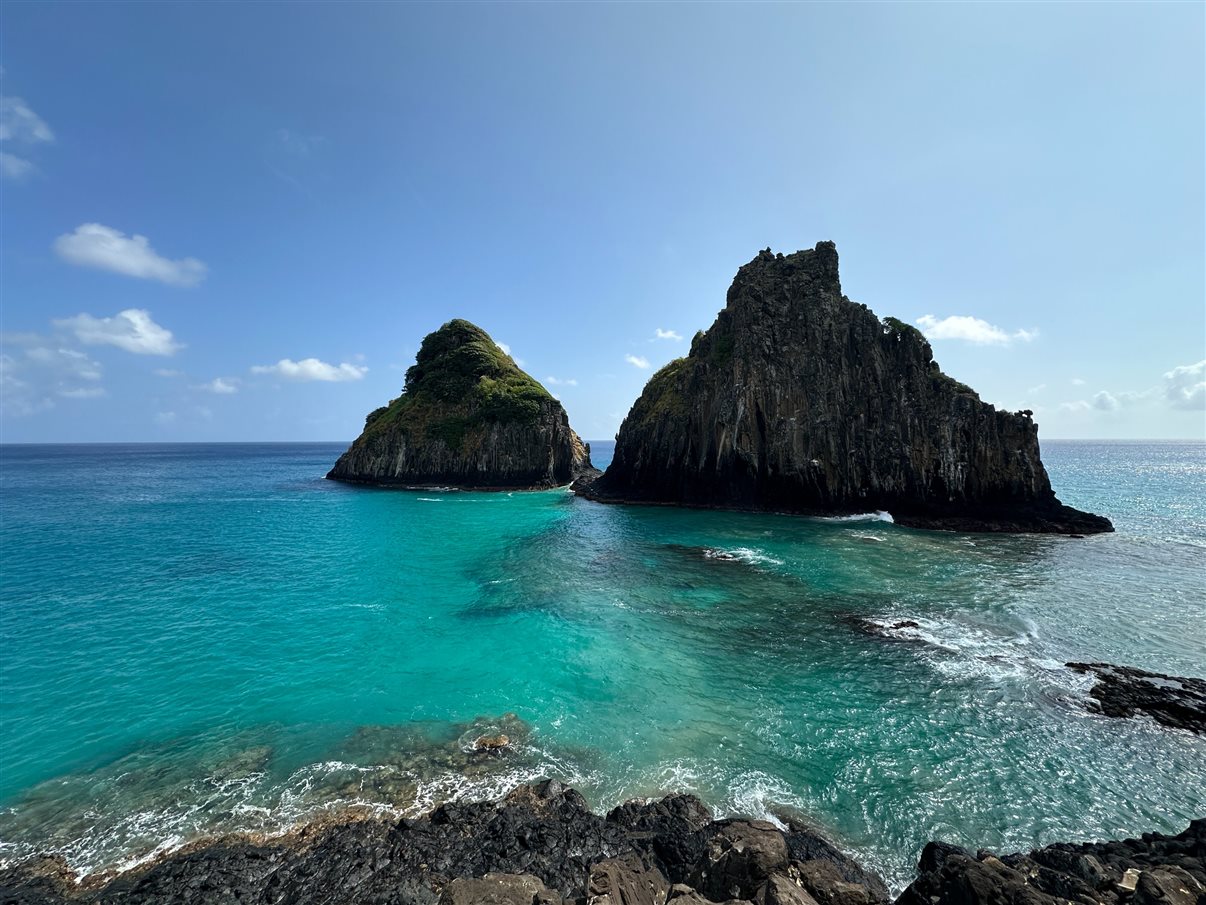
[205,638]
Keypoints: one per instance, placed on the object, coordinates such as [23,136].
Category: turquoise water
[205,638]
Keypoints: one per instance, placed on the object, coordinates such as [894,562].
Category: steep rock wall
[798,399]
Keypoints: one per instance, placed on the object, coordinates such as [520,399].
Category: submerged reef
[541,845]
[800,400]
[467,417]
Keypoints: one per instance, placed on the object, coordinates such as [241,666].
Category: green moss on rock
[461,381]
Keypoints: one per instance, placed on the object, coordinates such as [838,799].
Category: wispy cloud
[637,361]
[1078,381]
[559,382]
[669,334]
[168,372]
[132,330]
[83,393]
[40,370]
[14,167]
[971,329]
[19,125]
[223,386]
[105,248]
[309,369]
[298,144]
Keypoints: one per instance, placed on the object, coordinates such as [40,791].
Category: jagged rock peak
[467,417]
[800,400]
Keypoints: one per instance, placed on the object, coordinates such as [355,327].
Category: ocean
[200,639]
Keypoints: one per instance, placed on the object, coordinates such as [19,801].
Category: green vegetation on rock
[460,382]
[663,398]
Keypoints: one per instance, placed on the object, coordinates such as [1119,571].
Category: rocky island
[800,400]
[467,417]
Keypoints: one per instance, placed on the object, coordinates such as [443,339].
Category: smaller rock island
[468,417]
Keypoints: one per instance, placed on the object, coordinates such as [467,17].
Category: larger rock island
[800,400]
[467,417]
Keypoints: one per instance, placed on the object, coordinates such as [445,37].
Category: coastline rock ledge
[800,400]
[468,417]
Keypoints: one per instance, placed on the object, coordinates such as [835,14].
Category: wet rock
[492,744]
[1124,691]
[799,400]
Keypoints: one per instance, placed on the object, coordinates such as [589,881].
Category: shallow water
[202,638]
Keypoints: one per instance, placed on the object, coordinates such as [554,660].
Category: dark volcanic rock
[1154,869]
[540,845]
[799,400]
[1124,691]
[467,417]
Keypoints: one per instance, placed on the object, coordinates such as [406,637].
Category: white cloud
[669,334]
[19,123]
[65,362]
[168,372]
[1078,381]
[14,167]
[31,380]
[165,417]
[558,382]
[1037,389]
[223,386]
[971,329]
[132,330]
[312,369]
[1079,406]
[1185,386]
[507,349]
[82,393]
[96,245]
[1105,402]
[297,144]
[637,361]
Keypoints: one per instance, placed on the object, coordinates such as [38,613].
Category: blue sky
[237,221]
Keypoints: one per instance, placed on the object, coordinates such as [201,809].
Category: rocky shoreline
[542,844]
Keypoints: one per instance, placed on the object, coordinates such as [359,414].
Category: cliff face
[468,417]
[798,399]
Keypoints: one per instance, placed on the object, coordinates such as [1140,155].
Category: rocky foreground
[543,846]
[799,400]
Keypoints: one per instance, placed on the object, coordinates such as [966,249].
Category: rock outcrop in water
[542,846]
[799,400]
[1125,691]
[467,417]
